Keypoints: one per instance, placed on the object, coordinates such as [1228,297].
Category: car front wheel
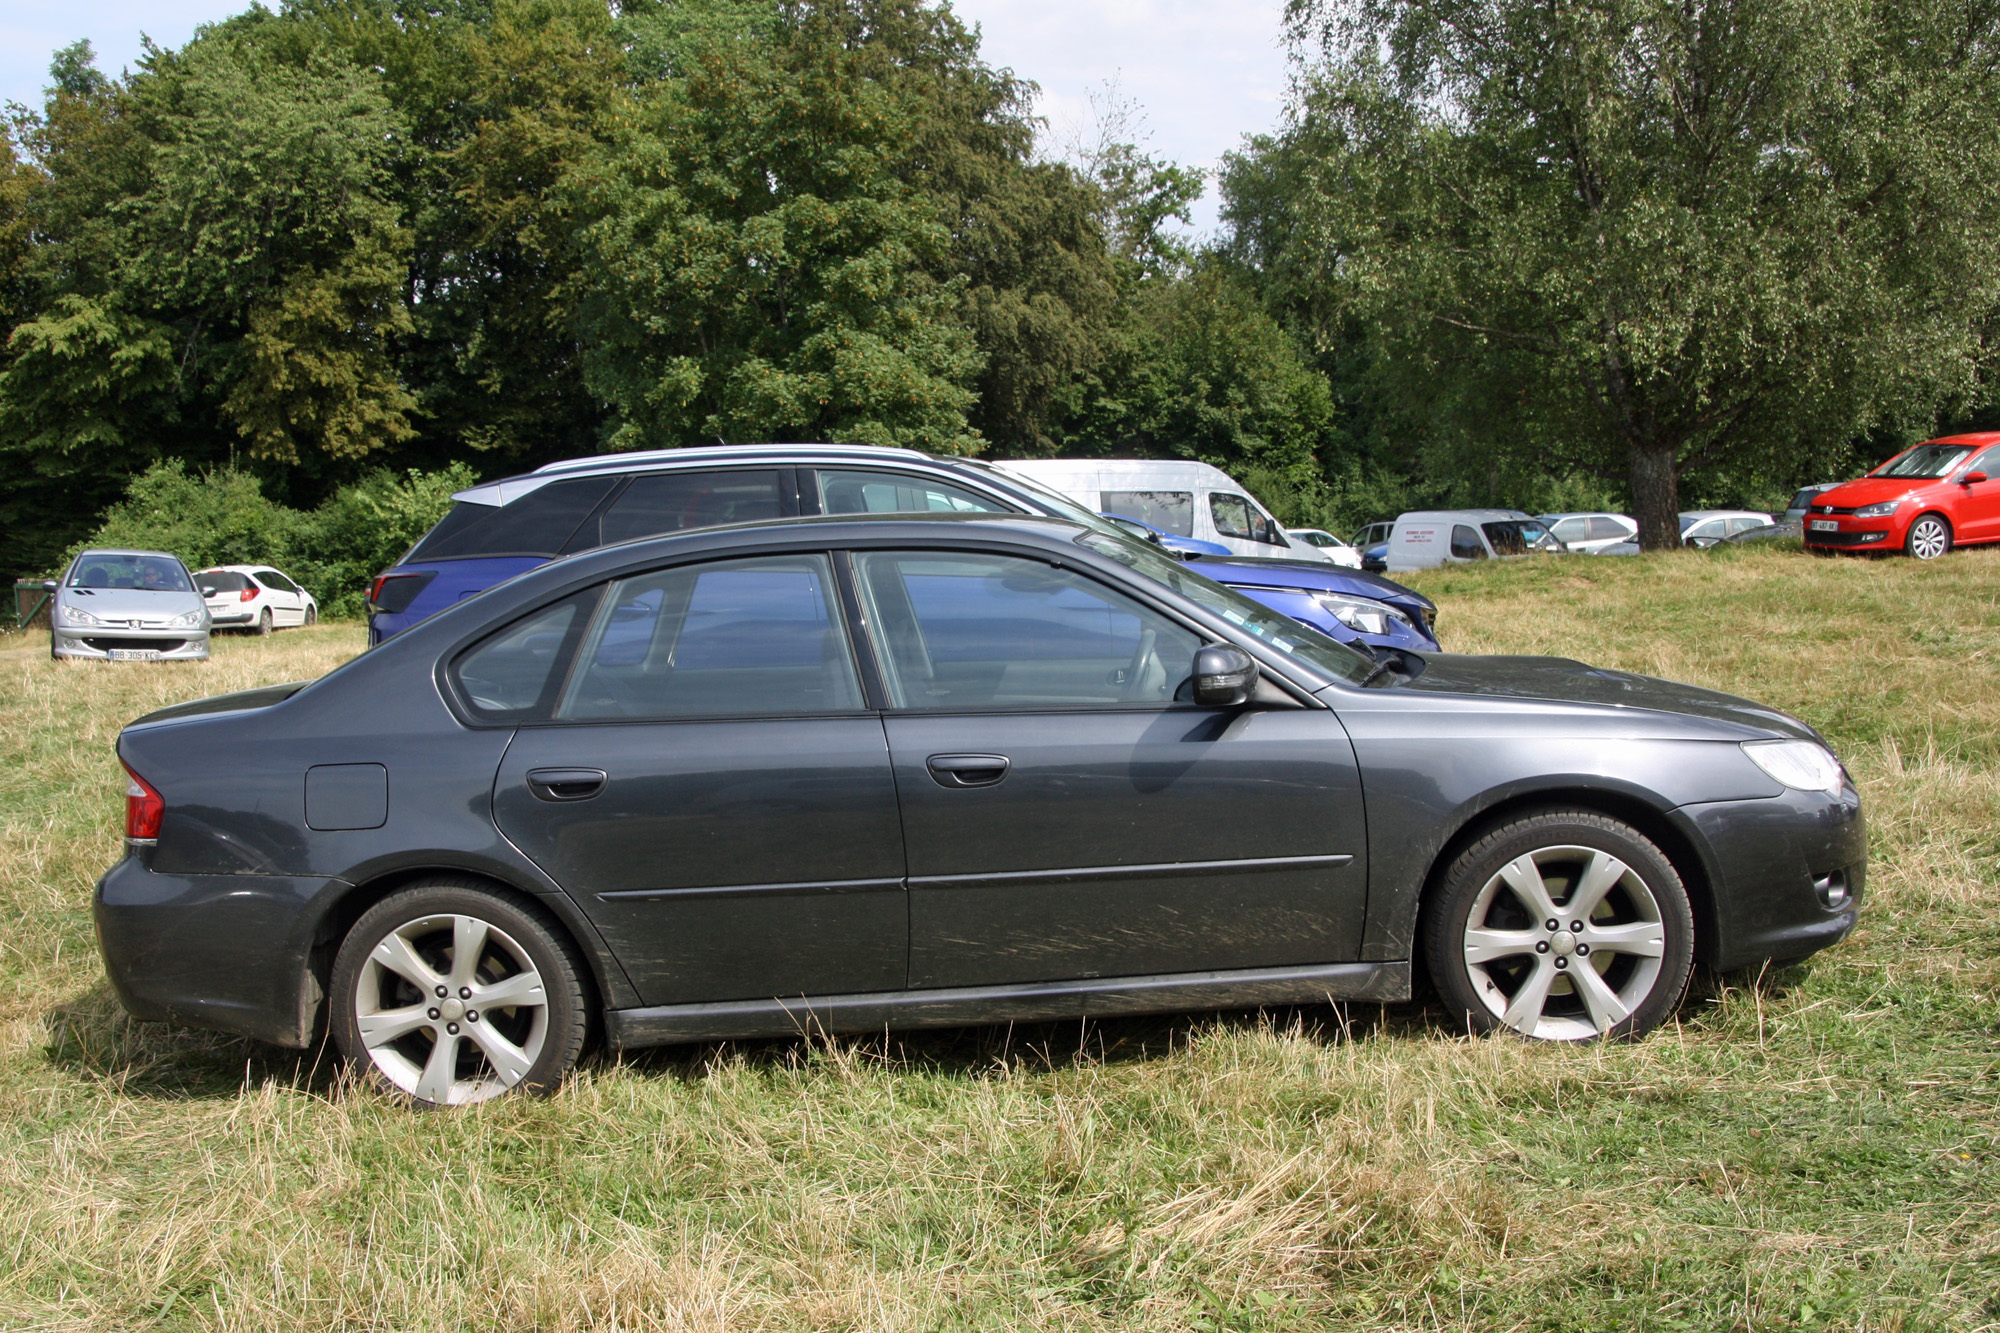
[1930,537]
[1563,926]
[452,994]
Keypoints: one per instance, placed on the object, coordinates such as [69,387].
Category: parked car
[1940,494]
[1331,548]
[1425,539]
[1146,532]
[254,597]
[1592,533]
[1373,543]
[771,779]
[1791,530]
[1180,496]
[1706,527]
[1802,499]
[127,606]
[504,528]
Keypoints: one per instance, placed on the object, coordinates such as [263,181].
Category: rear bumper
[1768,861]
[227,952]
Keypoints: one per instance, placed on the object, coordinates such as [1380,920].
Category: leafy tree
[1709,239]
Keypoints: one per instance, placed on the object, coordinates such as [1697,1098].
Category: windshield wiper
[1381,668]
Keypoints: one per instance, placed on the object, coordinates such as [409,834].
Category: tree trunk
[1656,498]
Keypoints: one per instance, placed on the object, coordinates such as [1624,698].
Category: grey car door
[712,790]
[1065,817]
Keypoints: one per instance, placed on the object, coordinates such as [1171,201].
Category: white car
[1706,527]
[254,597]
[1590,533]
[1325,545]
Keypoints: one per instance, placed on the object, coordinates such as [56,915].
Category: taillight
[144,807]
[248,594]
[393,593]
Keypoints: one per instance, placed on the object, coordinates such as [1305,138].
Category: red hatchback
[1926,500]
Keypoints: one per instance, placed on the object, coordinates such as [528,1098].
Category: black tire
[538,1042]
[1929,537]
[263,621]
[312,615]
[1646,901]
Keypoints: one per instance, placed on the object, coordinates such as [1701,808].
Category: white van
[1425,539]
[1174,495]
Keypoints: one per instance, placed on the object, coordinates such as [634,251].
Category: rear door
[713,791]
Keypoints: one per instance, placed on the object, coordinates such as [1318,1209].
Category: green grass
[1812,1149]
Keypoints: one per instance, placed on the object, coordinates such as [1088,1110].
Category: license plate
[135,654]
[1824,525]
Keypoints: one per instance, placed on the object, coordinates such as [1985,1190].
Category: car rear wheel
[264,621]
[451,994]
[1930,537]
[1563,926]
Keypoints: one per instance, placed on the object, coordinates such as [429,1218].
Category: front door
[1066,818]
[713,792]
[1976,514]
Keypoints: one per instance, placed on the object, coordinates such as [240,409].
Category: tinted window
[1237,517]
[890,493]
[1574,530]
[993,631]
[1517,536]
[672,501]
[1746,522]
[1601,527]
[1169,511]
[222,580]
[510,674]
[153,573]
[271,578]
[1465,544]
[738,636]
[1804,499]
[1707,528]
[539,523]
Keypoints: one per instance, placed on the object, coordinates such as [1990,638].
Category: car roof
[236,569]
[506,490]
[1476,515]
[1687,514]
[124,550]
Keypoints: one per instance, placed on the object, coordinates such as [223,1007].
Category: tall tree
[1672,236]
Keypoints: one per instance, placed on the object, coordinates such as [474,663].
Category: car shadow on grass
[92,1037]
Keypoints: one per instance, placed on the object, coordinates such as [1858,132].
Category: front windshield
[1518,536]
[146,573]
[1281,632]
[1926,461]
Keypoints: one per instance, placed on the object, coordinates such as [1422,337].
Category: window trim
[470,714]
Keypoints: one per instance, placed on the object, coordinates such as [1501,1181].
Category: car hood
[1564,680]
[1870,491]
[240,701]
[132,603]
[1312,575]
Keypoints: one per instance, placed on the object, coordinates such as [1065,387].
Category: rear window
[222,580]
[540,523]
[1169,511]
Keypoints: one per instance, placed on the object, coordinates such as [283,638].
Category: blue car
[503,528]
[1178,545]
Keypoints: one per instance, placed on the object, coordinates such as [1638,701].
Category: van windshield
[1518,536]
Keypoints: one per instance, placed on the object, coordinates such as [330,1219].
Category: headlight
[1362,614]
[72,616]
[191,618]
[1877,511]
[1800,765]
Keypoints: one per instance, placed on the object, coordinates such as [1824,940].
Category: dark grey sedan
[854,773]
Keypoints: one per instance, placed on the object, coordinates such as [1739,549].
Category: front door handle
[968,770]
[565,784]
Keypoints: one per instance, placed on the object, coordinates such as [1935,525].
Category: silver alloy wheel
[451,1009]
[1929,538]
[1568,967]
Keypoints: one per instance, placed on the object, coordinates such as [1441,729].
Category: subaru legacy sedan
[503,528]
[853,773]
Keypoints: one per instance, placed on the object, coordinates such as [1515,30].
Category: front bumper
[105,643]
[1853,534]
[1773,863]
[227,952]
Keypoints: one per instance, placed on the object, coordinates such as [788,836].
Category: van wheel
[1929,537]
[451,994]
[1563,926]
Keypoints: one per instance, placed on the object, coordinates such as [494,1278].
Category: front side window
[962,630]
[510,675]
[853,492]
[148,573]
[1988,462]
[1169,511]
[1465,544]
[753,636]
[1926,461]
[1236,517]
[1518,536]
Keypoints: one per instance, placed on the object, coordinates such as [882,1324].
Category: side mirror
[49,585]
[1223,676]
[1971,477]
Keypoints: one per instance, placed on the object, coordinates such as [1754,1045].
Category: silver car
[138,606]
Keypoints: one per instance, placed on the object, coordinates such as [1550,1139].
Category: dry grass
[1815,1151]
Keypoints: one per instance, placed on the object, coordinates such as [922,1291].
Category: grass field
[1815,1149]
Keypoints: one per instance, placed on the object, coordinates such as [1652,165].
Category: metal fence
[31,603]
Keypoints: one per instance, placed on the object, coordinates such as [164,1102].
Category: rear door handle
[566,784]
[968,770]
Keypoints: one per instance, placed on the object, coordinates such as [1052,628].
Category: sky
[1203,73]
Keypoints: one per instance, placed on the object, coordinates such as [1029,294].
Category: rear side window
[540,523]
[1465,544]
[271,578]
[1169,511]
[1575,529]
[737,636]
[674,501]
[511,675]
[1237,517]
[842,492]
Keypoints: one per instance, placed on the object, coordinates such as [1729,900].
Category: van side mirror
[1971,477]
[1223,676]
